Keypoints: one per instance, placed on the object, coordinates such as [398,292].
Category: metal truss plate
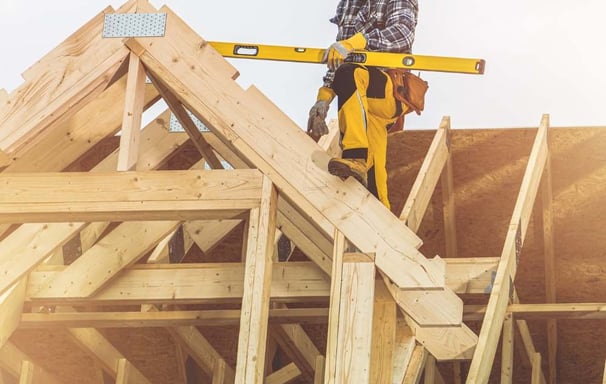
[175,126]
[134,25]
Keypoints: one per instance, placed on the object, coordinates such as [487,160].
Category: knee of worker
[347,79]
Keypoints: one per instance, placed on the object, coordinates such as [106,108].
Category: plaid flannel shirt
[387,25]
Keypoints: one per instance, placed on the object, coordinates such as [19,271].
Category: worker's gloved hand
[316,123]
[338,52]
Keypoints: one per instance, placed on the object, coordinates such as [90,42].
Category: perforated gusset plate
[175,126]
[134,25]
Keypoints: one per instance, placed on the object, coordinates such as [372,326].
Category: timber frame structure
[107,241]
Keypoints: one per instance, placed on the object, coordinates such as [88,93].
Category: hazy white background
[543,56]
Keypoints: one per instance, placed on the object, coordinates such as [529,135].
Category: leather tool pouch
[408,89]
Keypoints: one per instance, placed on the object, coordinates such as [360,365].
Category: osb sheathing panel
[488,170]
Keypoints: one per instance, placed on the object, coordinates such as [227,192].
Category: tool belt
[408,89]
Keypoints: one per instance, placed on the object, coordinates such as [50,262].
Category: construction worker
[366,104]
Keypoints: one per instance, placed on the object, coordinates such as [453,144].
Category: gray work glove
[316,124]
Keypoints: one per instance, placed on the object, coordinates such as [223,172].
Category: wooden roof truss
[135,220]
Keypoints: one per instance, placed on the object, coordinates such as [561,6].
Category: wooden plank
[192,283]
[284,375]
[536,369]
[332,344]
[559,311]
[471,275]
[257,286]
[507,351]
[430,370]
[448,197]
[27,372]
[355,320]
[96,267]
[384,323]
[133,111]
[415,368]
[426,180]
[481,364]
[604,378]
[274,159]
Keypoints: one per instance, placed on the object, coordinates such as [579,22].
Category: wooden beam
[201,318]
[191,283]
[27,375]
[133,111]
[123,372]
[575,311]
[426,180]
[124,196]
[320,363]
[507,351]
[208,234]
[481,364]
[284,375]
[448,197]
[384,324]
[604,378]
[257,286]
[354,335]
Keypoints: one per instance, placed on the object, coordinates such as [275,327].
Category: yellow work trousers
[367,109]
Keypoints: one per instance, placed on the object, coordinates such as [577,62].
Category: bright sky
[543,56]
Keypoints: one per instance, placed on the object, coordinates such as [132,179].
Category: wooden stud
[448,203]
[354,335]
[604,379]
[415,368]
[133,111]
[297,345]
[320,365]
[219,371]
[546,224]
[404,347]
[507,351]
[481,363]
[332,344]
[257,283]
[123,372]
[536,369]
[384,324]
[27,372]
